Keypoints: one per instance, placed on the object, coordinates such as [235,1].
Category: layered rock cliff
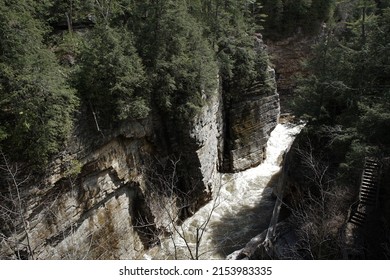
[250,124]
[90,214]
[94,202]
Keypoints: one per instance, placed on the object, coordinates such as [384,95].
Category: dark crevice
[143,221]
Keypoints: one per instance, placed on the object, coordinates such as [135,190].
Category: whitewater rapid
[241,208]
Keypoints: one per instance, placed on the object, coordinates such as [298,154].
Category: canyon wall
[93,203]
[89,213]
[251,122]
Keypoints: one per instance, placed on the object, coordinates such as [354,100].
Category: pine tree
[111,79]
[348,84]
[36,102]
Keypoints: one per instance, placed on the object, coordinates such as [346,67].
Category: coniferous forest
[116,58]
[97,63]
[121,58]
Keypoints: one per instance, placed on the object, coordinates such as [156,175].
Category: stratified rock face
[251,122]
[94,205]
[101,211]
[92,216]
[207,133]
[195,146]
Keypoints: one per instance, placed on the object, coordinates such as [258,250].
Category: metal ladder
[368,194]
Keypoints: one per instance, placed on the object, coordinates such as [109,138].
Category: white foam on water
[242,190]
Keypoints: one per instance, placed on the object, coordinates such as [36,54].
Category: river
[241,208]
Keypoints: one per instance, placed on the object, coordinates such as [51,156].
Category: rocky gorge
[175,130]
[96,200]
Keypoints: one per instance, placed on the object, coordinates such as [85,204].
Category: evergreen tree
[180,62]
[111,79]
[36,103]
[348,86]
[241,62]
[375,103]
[287,17]
[70,12]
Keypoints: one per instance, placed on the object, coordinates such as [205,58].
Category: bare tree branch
[15,181]
[167,201]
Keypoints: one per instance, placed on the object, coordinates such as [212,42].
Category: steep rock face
[207,132]
[195,147]
[248,124]
[99,211]
[93,204]
[93,215]
[252,121]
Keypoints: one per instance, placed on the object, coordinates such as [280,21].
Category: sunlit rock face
[92,214]
[92,203]
[206,132]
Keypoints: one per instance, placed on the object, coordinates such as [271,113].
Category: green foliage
[67,47]
[180,61]
[111,78]
[120,58]
[83,13]
[67,14]
[231,26]
[185,65]
[185,45]
[325,95]
[349,85]
[36,104]
[374,123]
[73,169]
[286,17]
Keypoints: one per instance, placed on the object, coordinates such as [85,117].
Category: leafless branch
[166,200]
[15,181]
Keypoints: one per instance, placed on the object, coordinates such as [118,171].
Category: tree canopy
[116,60]
[348,84]
[287,17]
[37,103]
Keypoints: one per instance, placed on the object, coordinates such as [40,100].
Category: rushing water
[241,209]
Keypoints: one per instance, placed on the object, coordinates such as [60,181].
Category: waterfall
[241,208]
